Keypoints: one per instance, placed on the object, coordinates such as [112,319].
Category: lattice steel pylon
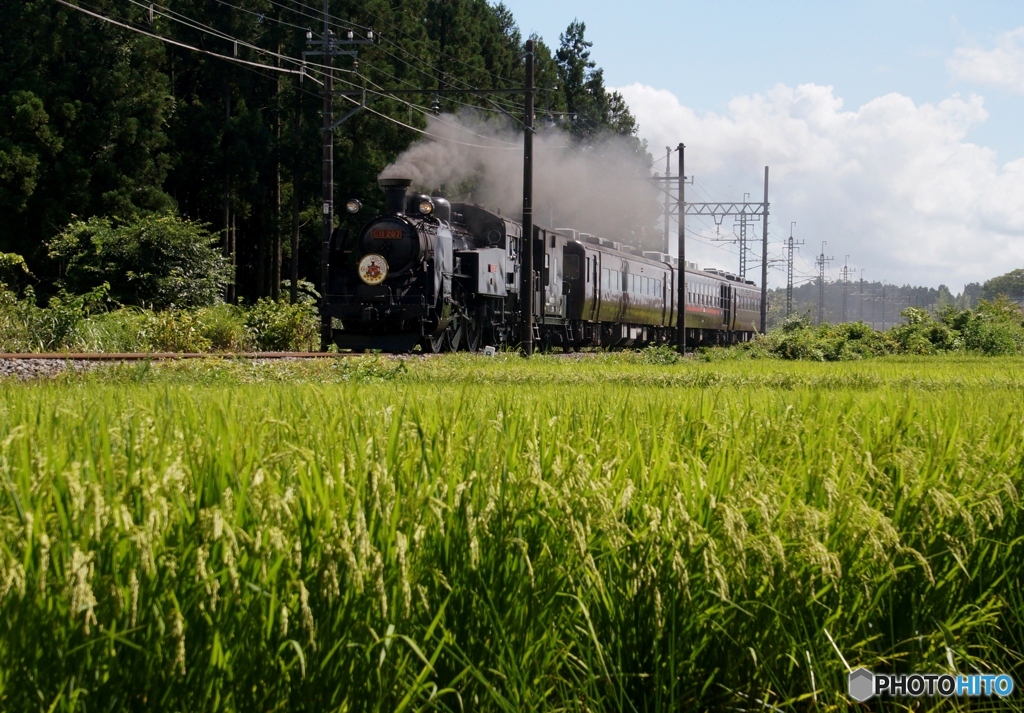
[846,282]
[789,269]
[744,219]
[821,262]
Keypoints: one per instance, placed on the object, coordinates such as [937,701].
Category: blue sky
[920,106]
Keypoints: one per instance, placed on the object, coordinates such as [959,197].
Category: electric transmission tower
[743,220]
[862,294]
[743,243]
[789,269]
[846,282]
[821,262]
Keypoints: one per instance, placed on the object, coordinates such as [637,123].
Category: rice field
[456,534]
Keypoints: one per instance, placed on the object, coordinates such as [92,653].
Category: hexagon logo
[861,684]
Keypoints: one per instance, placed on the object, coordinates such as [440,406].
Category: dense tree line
[99,120]
[880,304]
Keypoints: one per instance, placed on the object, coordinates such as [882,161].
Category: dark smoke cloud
[601,188]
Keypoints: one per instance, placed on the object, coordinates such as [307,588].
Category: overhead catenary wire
[236,60]
[305,64]
[334,21]
[300,72]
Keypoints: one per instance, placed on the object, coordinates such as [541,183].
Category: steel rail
[165,356]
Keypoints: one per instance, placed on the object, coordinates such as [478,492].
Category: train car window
[588,270]
[572,267]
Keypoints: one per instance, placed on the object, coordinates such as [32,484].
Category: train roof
[607,245]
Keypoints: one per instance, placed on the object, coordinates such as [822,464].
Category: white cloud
[1000,67]
[893,184]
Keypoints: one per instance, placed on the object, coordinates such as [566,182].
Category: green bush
[158,261]
[176,331]
[281,326]
[117,331]
[224,326]
[661,354]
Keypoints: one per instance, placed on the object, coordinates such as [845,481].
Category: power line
[299,72]
[236,60]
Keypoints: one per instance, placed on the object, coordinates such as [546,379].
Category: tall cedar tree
[97,120]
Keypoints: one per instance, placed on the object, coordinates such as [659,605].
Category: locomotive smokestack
[394,193]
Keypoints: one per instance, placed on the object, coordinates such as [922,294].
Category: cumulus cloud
[1001,67]
[894,184]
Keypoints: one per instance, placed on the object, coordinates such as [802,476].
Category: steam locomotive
[446,276]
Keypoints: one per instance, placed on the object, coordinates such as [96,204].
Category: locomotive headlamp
[353,206]
[426,207]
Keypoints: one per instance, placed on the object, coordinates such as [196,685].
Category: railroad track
[164,356]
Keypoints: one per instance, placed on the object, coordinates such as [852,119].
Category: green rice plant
[506,534]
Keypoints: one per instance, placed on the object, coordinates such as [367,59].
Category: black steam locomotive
[446,276]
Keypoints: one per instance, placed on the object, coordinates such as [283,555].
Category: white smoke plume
[602,188]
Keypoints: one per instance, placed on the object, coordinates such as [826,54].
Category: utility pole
[789,270]
[846,282]
[681,301]
[327,180]
[526,288]
[820,263]
[668,196]
[764,258]
[329,50]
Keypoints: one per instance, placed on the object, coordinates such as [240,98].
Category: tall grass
[402,540]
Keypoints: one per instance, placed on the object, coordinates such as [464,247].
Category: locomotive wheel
[435,344]
[456,334]
[474,330]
